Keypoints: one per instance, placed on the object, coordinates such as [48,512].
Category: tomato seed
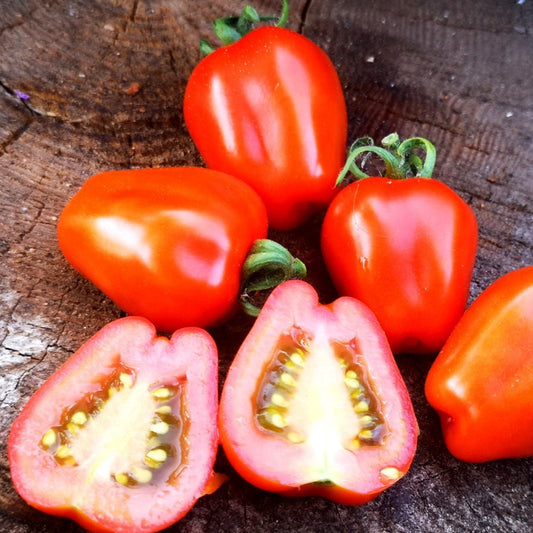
[49,438]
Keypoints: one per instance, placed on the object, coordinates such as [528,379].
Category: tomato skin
[273,463]
[482,380]
[167,243]
[407,249]
[270,110]
[94,499]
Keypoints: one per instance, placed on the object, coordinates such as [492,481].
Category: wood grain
[459,73]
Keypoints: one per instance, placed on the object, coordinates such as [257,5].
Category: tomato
[314,404]
[164,243]
[482,381]
[406,248]
[122,437]
[270,110]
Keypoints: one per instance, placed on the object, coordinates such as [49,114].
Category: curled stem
[268,264]
[399,158]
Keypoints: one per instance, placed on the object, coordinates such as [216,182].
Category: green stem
[268,264]
[230,29]
[399,158]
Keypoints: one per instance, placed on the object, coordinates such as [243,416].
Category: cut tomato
[123,436]
[314,403]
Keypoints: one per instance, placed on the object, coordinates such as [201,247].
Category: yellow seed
[122,478]
[354,444]
[366,421]
[157,454]
[162,393]
[142,475]
[351,374]
[287,379]
[164,410]
[295,437]
[278,420]
[279,400]
[126,380]
[351,383]
[297,358]
[391,473]
[79,418]
[160,428]
[361,407]
[112,391]
[63,452]
[73,428]
[49,438]
[365,434]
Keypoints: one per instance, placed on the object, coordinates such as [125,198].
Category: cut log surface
[88,86]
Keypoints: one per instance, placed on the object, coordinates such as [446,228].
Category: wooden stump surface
[457,72]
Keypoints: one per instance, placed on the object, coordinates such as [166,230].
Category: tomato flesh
[123,436]
[314,403]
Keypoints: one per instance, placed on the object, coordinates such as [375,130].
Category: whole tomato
[405,247]
[168,244]
[270,110]
[481,383]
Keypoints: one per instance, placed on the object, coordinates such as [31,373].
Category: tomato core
[317,391]
[94,433]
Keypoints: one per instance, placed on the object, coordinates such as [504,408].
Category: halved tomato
[314,403]
[123,436]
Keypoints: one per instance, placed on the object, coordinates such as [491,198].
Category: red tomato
[167,243]
[122,437]
[481,383]
[270,110]
[407,249]
[314,404]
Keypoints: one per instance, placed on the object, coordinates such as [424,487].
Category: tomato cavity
[95,434]
[318,391]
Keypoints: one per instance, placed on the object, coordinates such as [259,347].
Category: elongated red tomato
[270,110]
[122,437]
[481,383]
[164,243]
[314,403]
[407,249]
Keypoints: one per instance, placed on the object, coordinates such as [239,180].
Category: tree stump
[93,86]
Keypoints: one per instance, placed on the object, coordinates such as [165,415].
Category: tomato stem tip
[400,159]
[230,29]
[268,264]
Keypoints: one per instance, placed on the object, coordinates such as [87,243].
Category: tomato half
[407,249]
[481,383]
[314,404]
[164,243]
[270,110]
[122,437]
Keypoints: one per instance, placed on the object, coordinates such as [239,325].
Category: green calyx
[268,264]
[400,158]
[230,29]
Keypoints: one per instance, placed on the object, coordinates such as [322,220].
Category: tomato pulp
[314,403]
[122,437]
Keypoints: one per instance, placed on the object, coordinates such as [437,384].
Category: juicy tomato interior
[318,392]
[122,437]
[94,434]
[314,402]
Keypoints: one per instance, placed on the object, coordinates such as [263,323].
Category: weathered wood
[459,73]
